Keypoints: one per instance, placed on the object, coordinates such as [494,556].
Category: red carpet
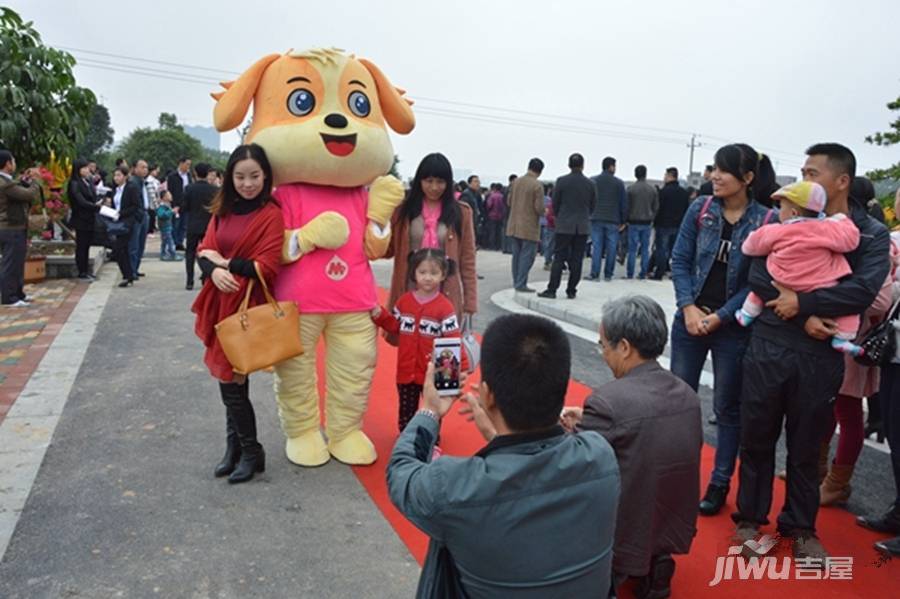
[871,577]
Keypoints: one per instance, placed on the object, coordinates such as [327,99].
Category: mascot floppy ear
[233,103]
[394,106]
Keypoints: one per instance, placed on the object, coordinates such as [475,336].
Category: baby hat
[805,194]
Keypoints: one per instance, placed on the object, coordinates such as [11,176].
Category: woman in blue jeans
[710,276]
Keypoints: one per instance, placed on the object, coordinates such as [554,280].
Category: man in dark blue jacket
[607,219]
[791,373]
[530,515]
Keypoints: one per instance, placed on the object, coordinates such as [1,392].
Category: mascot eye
[359,104]
[301,102]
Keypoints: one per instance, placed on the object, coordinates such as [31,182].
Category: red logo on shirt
[336,269]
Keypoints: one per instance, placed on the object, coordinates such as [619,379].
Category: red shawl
[261,241]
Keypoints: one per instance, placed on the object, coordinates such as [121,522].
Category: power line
[143,74]
[146,70]
[162,62]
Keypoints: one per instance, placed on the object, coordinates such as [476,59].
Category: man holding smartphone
[484,526]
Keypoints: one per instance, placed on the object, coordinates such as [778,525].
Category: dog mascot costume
[321,116]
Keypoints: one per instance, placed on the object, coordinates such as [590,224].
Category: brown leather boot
[836,486]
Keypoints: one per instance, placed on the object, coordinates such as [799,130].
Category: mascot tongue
[339,145]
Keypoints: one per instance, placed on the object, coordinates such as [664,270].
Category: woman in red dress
[246,232]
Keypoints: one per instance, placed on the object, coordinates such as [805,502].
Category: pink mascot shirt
[327,281]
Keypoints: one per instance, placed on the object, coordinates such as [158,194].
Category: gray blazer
[652,420]
[574,199]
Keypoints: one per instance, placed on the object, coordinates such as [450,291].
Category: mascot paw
[328,230]
[355,449]
[308,449]
[385,194]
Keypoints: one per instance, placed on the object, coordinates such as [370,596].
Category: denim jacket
[695,252]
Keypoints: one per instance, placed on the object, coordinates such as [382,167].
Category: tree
[41,107]
[163,146]
[887,138]
[99,136]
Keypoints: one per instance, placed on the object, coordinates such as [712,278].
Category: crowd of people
[779,285]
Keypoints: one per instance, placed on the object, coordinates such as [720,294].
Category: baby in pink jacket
[805,252]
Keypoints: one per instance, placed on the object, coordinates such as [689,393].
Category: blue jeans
[638,235]
[547,244]
[603,235]
[137,242]
[523,252]
[665,241]
[727,345]
[167,251]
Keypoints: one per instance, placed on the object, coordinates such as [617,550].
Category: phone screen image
[447,364]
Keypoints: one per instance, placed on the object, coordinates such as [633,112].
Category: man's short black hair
[840,158]
[672,171]
[202,169]
[525,360]
[469,180]
[709,168]
[576,160]
[183,159]
[513,177]
[640,172]
[5,158]
[536,165]
[608,162]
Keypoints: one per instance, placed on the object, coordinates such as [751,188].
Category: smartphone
[447,358]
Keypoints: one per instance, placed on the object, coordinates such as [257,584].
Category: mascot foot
[355,449]
[308,449]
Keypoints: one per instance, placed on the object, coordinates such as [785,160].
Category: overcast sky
[632,79]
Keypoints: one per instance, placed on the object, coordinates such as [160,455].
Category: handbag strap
[466,323]
[245,303]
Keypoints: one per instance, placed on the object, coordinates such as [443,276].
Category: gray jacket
[652,420]
[530,515]
[574,199]
[643,203]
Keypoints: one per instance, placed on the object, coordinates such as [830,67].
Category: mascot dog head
[320,115]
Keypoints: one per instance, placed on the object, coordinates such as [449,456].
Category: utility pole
[694,144]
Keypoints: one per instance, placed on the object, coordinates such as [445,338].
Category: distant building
[207,136]
[695,180]
[783,180]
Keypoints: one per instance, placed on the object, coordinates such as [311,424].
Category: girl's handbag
[260,337]
[470,344]
[880,343]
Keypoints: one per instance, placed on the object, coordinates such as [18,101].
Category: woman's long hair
[434,165]
[225,199]
[740,159]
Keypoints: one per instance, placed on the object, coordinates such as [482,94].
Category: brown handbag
[260,337]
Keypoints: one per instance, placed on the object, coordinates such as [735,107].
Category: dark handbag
[440,578]
[880,343]
[117,228]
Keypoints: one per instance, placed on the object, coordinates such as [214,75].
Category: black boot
[658,582]
[714,499]
[253,458]
[889,522]
[873,420]
[232,449]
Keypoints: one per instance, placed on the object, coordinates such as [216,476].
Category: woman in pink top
[805,252]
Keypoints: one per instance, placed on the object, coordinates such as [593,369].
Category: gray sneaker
[807,546]
[744,531]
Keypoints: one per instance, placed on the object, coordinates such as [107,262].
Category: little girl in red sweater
[419,317]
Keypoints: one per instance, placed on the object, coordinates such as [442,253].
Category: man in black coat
[195,203]
[791,373]
[673,203]
[176,182]
[574,200]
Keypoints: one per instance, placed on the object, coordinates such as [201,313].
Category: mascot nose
[338,121]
